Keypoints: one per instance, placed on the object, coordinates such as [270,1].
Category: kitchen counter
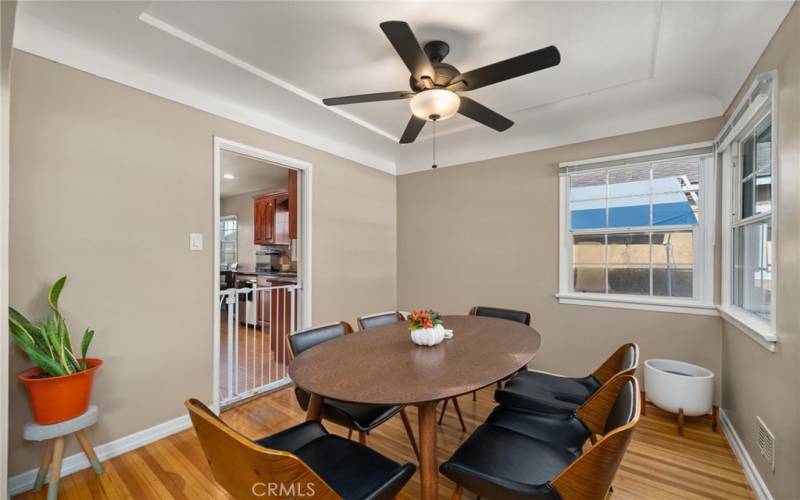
[272,275]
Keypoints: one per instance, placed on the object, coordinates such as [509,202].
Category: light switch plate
[196,241]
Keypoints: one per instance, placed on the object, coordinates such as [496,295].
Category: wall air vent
[766,443]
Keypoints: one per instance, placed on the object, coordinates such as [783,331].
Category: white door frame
[304,229]
[7,18]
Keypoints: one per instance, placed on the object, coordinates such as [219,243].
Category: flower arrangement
[424,319]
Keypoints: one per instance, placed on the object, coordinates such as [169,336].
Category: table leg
[55,473]
[48,455]
[428,468]
[83,439]
[314,411]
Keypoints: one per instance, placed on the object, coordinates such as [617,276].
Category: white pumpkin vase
[430,336]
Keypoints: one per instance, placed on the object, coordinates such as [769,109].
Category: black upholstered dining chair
[540,392]
[379,319]
[305,460]
[516,455]
[358,417]
[500,313]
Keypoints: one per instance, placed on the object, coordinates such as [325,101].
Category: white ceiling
[626,66]
[250,175]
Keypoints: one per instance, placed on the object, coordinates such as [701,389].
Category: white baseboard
[750,471]
[73,463]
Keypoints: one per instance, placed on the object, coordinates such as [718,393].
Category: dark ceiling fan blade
[412,130]
[380,96]
[405,43]
[484,115]
[508,69]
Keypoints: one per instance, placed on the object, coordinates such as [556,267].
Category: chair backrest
[308,338]
[246,469]
[608,406]
[379,319]
[497,312]
[624,360]
[589,477]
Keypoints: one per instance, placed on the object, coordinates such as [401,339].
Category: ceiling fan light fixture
[435,104]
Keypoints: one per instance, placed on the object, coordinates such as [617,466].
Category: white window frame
[759,102]
[702,303]
[227,218]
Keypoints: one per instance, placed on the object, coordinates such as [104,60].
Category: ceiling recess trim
[217,52]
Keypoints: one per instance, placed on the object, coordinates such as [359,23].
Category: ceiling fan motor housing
[436,51]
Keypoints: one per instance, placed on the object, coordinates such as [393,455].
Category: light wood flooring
[257,364]
[658,464]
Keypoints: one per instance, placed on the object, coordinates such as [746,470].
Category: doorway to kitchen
[262,272]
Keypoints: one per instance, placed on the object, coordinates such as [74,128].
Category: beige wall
[487,233]
[107,183]
[758,382]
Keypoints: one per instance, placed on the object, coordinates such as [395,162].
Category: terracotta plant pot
[56,399]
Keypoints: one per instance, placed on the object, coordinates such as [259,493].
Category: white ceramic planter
[671,385]
[430,336]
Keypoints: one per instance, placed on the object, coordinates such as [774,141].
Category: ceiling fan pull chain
[434,144]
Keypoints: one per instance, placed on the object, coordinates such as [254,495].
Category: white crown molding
[215,51]
[73,463]
[44,41]
[750,470]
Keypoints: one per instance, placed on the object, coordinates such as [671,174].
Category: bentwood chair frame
[246,463]
[590,476]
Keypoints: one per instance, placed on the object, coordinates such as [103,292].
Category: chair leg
[86,445]
[362,438]
[714,418]
[46,458]
[460,418]
[644,403]
[457,493]
[444,407]
[410,432]
[55,473]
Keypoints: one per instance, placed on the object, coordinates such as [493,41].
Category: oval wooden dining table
[382,366]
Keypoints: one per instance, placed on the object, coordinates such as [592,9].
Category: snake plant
[49,344]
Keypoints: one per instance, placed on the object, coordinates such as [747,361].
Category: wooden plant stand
[55,435]
[681,418]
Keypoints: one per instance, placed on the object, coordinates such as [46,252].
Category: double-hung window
[746,149]
[635,232]
[228,236]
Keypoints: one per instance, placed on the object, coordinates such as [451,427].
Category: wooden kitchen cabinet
[275,216]
[264,220]
[280,233]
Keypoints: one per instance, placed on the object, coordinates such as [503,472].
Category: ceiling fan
[434,84]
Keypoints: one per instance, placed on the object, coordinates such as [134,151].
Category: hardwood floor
[658,464]
[258,362]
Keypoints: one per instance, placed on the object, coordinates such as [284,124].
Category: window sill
[639,303]
[758,330]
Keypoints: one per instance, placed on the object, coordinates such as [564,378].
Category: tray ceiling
[626,66]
